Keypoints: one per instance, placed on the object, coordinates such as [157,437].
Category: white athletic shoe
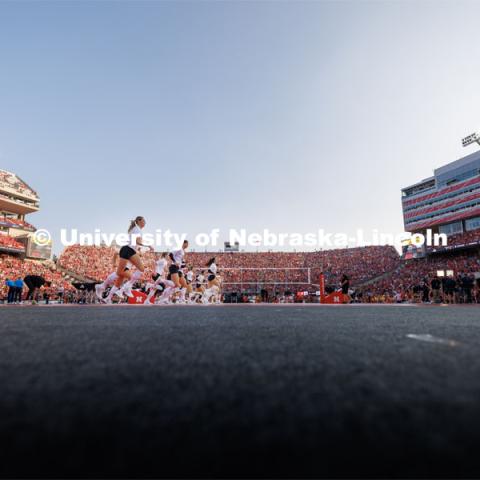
[99,291]
[119,293]
[127,290]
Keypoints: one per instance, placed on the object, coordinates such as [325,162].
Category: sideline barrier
[138,298]
[331,298]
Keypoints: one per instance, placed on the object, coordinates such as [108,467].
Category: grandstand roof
[421,182]
[473,157]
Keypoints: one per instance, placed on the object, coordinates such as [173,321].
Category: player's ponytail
[212,260]
[134,222]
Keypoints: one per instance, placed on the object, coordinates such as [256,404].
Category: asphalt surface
[239,391]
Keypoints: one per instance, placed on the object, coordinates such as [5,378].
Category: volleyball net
[272,279]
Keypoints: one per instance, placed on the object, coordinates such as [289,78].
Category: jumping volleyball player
[128,253]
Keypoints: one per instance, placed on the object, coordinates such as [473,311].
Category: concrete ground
[240,391]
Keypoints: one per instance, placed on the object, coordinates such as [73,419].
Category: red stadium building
[448,202]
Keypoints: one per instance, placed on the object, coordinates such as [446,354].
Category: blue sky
[291,116]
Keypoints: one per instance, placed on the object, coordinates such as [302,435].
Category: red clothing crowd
[13,268]
[250,270]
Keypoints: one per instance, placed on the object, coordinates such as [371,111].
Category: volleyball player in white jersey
[198,287]
[213,284]
[129,253]
[161,266]
[189,277]
[110,280]
[217,296]
[200,282]
[161,283]
[176,275]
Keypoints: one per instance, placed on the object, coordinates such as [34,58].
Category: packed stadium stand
[459,241]
[377,274]
[10,244]
[12,222]
[13,268]
[413,276]
[278,271]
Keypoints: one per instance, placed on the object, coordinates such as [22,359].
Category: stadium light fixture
[472,138]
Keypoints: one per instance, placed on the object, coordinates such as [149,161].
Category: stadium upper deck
[447,202]
[16,196]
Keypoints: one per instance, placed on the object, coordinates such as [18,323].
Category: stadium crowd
[10,243]
[15,223]
[13,268]
[418,280]
[361,263]
[274,271]
[460,240]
